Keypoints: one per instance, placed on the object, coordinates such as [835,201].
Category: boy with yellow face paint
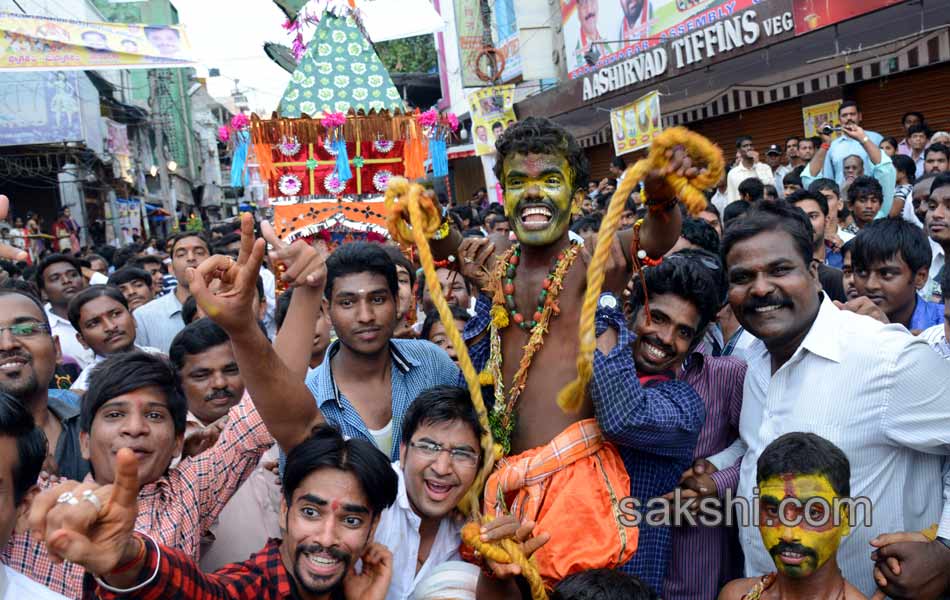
[803,484]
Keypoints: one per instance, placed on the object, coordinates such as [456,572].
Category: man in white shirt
[747,166]
[59,278]
[865,144]
[158,321]
[937,223]
[100,314]
[880,395]
[440,456]
[22,452]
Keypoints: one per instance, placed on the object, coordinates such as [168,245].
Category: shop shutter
[884,101]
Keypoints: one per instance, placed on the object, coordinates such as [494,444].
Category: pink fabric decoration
[429,118]
[333,119]
[452,120]
[239,122]
[224,134]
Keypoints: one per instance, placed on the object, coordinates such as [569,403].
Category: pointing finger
[268,233]
[125,489]
[247,238]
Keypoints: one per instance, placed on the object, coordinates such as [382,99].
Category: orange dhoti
[571,488]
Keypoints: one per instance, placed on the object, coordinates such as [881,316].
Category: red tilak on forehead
[533,164]
[335,505]
[789,489]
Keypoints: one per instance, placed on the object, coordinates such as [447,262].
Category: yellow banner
[493,111]
[636,124]
[817,114]
[31,43]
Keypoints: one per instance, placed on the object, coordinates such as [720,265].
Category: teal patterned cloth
[339,71]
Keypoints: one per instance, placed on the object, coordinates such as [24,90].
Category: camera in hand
[828,129]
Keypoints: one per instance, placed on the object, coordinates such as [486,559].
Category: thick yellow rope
[688,190]
[506,551]
[425,219]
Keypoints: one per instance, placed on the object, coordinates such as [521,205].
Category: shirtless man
[540,166]
[800,475]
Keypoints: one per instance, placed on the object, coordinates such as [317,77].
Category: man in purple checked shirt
[704,559]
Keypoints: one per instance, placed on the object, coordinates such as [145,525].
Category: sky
[229,35]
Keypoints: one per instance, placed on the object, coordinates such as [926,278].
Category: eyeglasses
[26,330]
[460,457]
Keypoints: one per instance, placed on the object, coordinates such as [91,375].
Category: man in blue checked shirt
[367,379]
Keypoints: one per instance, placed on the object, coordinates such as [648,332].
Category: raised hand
[7,251]
[91,525]
[305,264]
[477,260]
[234,284]
[373,582]
[655,184]
[853,131]
[200,439]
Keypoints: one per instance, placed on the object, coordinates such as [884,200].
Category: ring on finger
[67,498]
[90,496]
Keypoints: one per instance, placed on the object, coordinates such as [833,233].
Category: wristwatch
[608,300]
[865,140]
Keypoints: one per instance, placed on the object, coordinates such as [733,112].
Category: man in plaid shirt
[134,402]
[334,493]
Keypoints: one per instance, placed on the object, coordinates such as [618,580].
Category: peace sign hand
[224,289]
[75,528]
[304,264]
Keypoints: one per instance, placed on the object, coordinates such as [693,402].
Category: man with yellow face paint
[803,482]
[562,471]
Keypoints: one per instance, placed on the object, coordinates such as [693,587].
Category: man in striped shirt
[704,558]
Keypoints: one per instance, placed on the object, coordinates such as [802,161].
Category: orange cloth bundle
[571,488]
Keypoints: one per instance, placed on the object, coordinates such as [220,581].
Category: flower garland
[502,418]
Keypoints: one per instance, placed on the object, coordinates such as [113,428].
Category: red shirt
[261,577]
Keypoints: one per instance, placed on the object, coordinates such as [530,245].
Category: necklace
[514,257]
[769,579]
[502,416]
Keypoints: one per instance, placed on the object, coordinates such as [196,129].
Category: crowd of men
[184,429]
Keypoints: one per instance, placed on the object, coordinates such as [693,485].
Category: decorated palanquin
[341,133]
[300,157]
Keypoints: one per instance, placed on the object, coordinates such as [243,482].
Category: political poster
[635,125]
[31,43]
[493,111]
[598,33]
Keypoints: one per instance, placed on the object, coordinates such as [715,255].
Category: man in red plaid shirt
[334,492]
